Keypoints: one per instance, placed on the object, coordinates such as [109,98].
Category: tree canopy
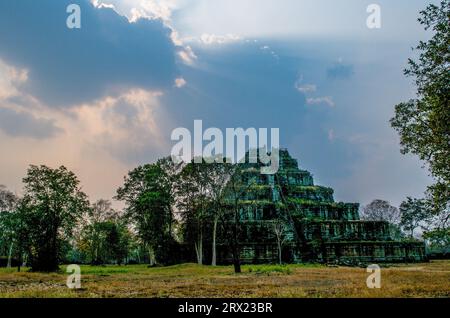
[423,122]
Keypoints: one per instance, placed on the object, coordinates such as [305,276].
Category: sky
[105,98]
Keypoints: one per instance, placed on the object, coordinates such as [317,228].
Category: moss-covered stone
[317,229]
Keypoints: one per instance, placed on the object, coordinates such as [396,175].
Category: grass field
[190,280]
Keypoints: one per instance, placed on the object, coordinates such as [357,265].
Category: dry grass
[189,280]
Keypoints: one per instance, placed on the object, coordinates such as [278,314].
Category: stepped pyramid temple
[288,210]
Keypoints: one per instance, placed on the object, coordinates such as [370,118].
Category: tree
[280,229]
[112,241]
[439,239]
[14,236]
[193,201]
[439,235]
[8,220]
[414,213]
[381,210]
[423,123]
[171,171]
[99,221]
[235,191]
[51,205]
[148,199]
[218,178]
[102,211]
[8,200]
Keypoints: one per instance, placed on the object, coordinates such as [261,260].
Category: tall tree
[194,201]
[51,205]
[111,242]
[8,202]
[381,210]
[280,229]
[148,199]
[414,213]
[98,220]
[218,179]
[236,189]
[423,123]
[171,171]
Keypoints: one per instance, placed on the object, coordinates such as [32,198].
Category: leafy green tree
[148,198]
[439,239]
[423,123]
[91,233]
[170,178]
[52,204]
[194,202]
[8,220]
[438,236]
[119,240]
[414,212]
[236,190]
[217,183]
[14,235]
[112,242]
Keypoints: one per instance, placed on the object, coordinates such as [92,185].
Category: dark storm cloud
[21,124]
[69,66]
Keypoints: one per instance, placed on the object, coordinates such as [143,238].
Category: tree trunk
[196,252]
[279,251]
[151,255]
[236,260]
[236,252]
[214,257]
[19,261]
[199,248]
[9,255]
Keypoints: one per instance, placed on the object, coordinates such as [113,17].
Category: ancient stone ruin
[287,212]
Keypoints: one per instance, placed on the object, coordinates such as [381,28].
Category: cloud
[327,100]
[10,79]
[187,55]
[23,124]
[128,126]
[107,56]
[306,88]
[136,9]
[101,141]
[17,121]
[210,39]
[180,82]
[340,71]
